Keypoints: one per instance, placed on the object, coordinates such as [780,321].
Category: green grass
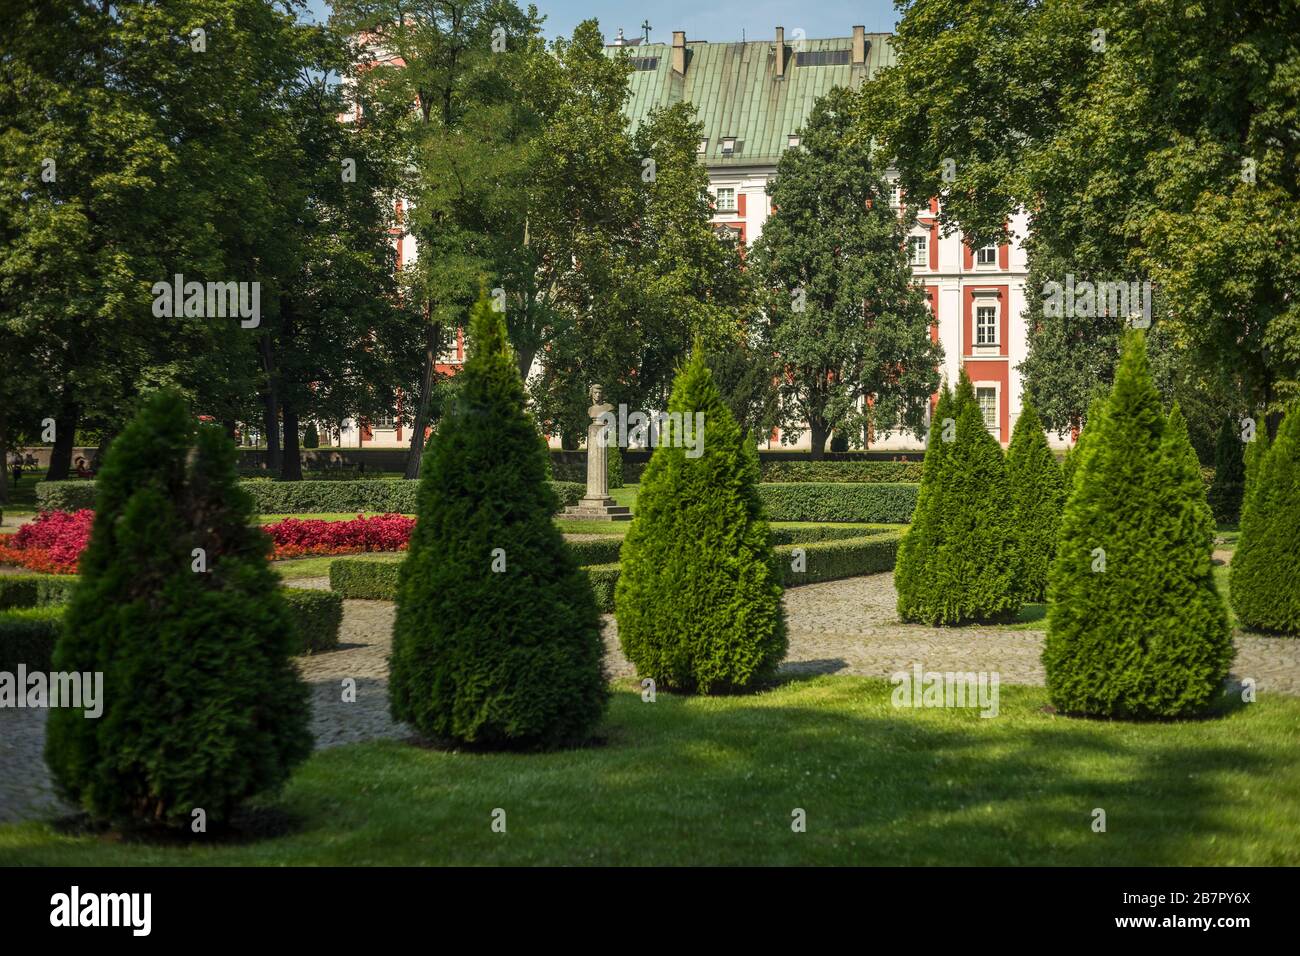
[22,496]
[323,516]
[714,781]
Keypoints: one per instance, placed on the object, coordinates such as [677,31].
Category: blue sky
[715,20]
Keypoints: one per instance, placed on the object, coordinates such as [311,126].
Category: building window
[728,145]
[703,147]
[986,325]
[644,62]
[384,420]
[792,140]
[919,250]
[987,256]
[895,195]
[726,199]
[987,398]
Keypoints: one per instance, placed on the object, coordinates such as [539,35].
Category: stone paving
[839,627]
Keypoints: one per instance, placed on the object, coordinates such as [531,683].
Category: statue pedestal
[597,509]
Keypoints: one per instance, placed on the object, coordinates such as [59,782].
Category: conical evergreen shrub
[1253,458]
[1135,627]
[1070,466]
[202,706]
[1037,499]
[966,534]
[1265,570]
[913,578]
[497,636]
[698,599]
[1229,473]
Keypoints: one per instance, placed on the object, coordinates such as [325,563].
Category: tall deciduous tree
[848,325]
[1095,117]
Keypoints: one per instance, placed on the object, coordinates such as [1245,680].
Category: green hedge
[64,495]
[35,590]
[378,495]
[27,636]
[318,615]
[822,501]
[365,580]
[819,532]
[603,578]
[832,560]
[824,561]
[866,472]
[595,548]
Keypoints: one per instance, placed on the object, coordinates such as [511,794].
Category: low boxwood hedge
[819,532]
[318,616]
[594,548]
[378,495]
[31,606]
[364,580]
[35,590]
[845,501]
[27,636]
[865,472]
[603,578]
[822,561]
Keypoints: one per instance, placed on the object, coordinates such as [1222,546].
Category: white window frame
[792,141]
[704,146]
[919,252]
[719,205]
[895,195]
[982,305]
[992,252]
[727,145]
[996,388]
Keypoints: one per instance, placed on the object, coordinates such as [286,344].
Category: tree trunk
[819,435]
[65,436]
[270,407]
[433,331]
[524,361]
[291,460]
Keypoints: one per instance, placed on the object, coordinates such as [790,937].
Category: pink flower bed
[54,541]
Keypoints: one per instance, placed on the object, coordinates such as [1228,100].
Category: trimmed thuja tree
[1037,498]
[699,597]
[961,566]
[497,636]
[1229,472]
[1135,627]
[912,574]
[177,606]
[1265,570]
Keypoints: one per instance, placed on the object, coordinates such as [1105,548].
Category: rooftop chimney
[859,46]
[679,52]
[780,51]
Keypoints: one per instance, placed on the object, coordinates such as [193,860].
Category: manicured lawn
[22,496]
[324,516]
[715,781]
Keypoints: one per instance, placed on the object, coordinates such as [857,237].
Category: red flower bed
[51,544]
[294,537]
[54,541]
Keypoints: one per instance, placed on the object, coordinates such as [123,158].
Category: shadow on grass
[715,781]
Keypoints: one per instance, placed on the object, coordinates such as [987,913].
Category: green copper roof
[735,91]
